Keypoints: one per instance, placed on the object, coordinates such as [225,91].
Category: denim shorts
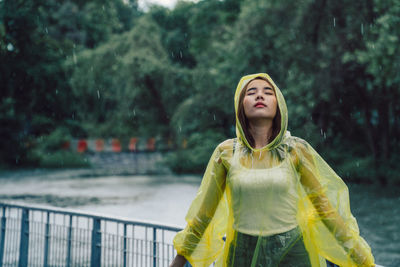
[284,249]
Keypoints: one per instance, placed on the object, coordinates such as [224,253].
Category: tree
[381,89]
[31,77]
[127,85]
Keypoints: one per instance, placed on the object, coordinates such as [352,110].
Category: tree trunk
[383,137]
[162,112]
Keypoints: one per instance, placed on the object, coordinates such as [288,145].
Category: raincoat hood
[281,105]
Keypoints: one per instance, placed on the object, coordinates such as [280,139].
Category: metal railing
[42,236]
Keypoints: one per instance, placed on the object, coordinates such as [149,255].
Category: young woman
[276,201]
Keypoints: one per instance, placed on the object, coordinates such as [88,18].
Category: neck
[261,132]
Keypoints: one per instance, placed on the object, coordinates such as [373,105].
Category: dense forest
[71,69]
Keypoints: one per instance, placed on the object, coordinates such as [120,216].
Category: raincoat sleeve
[329,228]
[201,242]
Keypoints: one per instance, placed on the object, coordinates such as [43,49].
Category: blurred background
[165,72]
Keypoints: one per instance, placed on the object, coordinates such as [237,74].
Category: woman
[274,198]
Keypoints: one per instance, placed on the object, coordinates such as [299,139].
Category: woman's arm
[179,261]
[311,173]
[196,242]
[331,218]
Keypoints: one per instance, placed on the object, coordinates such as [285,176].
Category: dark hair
[244,122]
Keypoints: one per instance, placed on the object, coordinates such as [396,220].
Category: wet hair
[244,122]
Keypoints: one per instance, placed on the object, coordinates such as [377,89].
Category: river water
[166,198]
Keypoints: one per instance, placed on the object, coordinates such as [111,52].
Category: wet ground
[166,198]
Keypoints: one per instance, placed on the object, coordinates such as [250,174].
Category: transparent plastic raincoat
[271,195]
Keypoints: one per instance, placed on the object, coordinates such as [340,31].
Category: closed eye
[251,91]
[268,91]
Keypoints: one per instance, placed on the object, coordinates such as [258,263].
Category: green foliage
[133,67]
[102,68]
[86,24]
[47,152]
[175,32]
[54,141]
[200,146]
[59,159]
[11,139]
[30,76]
[100,21]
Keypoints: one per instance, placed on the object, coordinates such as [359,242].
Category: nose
[259,95]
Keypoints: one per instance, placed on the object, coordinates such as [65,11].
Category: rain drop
[134,112]
[47,30]
[56,92]
[362,29]
[98,94]
[358,164]
[214,116]
[180,53]
[334,22]
[10,47]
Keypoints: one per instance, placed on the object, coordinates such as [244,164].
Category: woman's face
[259,102]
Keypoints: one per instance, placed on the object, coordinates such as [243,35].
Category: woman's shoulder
[297,146]
[294,142]
[227,144]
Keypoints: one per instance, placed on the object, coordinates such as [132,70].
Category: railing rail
[44,236]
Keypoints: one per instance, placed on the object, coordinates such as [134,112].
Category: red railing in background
[132,144]
[82,146]
[116,145]
[99,145]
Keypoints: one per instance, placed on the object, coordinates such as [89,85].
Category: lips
[260,105]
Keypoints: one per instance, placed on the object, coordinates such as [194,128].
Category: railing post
[46,241]
[154,247]
[69,241]
[95,259]
[125,239]
[2,235]
[24,243]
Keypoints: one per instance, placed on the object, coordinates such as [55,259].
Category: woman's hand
[179,261]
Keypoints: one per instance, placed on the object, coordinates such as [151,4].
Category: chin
[261,117]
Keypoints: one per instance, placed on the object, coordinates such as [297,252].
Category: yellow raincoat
[267,191]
